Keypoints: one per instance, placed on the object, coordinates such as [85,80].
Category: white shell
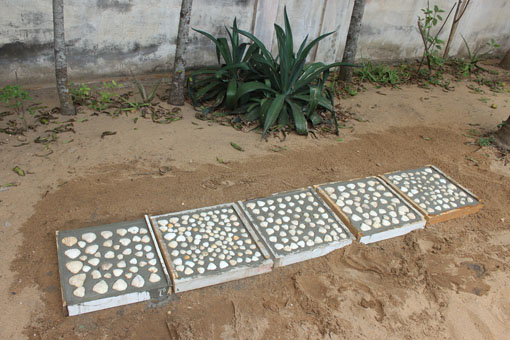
[79,292]
[101,287]
[69,241]
[88,237]
[119,285]
[106,234]
[187,271]
[77,280]
[107,243]
[74,266]
[138,282]
[93,261]
[96,274]
[117,272]
[134,230]
[211,266]
[72,253]
[121,232]
[91,249]
[125,241]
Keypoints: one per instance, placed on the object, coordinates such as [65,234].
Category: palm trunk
[502,136]
[66,103]
[176,96]
[351,43]
[505,63]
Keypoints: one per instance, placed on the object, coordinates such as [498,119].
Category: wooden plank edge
[275,257]
[158,251]
[455,182]
[456,213]
[64,302]
[404,196]
[333,214]
[241,211]
[166,257]
[336,209]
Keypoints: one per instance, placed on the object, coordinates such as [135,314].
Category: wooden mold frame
[303,255]
[446,215]
[180,285]
[120,299]
[372,236]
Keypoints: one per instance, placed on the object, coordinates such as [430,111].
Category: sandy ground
[449,281]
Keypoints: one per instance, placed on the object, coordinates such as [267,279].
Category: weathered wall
[108,37]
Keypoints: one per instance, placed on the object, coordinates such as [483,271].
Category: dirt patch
[411,287]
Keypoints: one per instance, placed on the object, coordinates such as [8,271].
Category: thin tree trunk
[459,12]
[66,103]
[502,136]
[505,63]
[351,43]
[176,96]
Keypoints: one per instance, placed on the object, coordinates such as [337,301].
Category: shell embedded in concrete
[69,241]
[74,266]
[294,221]
[88,237]
[205,240]
[72,253]
[98,262]
[101,287]
[370,205]
[138,282]
[431,190]
[77,280]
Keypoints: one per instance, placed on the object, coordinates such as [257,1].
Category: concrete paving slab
[296,226]
[371,209]
[109,265]
[208,246]
[433,193]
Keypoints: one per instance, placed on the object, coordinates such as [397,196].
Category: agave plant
[274,90]
[221,84]
[292,90]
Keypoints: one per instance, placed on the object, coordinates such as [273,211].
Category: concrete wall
[108,37]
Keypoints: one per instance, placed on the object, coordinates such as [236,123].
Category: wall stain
[19,52]
[121,6]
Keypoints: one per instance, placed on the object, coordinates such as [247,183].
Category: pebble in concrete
[98,262]
[209,246]
[296,226]
[373,210]
[431,190]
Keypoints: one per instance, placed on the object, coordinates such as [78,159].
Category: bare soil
[449,281]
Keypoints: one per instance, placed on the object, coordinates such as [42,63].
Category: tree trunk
[502,136]
[66,103]
[176,96]
[505,63]
[351,43]
[459,12]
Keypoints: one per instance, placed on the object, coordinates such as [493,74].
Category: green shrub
[281,90]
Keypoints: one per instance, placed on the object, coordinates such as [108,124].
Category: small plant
[105,96]
[486,141]
[80,93]
[16,98]
[475,56]
[146,99]
[382,75]
[221,85]
[432,45]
